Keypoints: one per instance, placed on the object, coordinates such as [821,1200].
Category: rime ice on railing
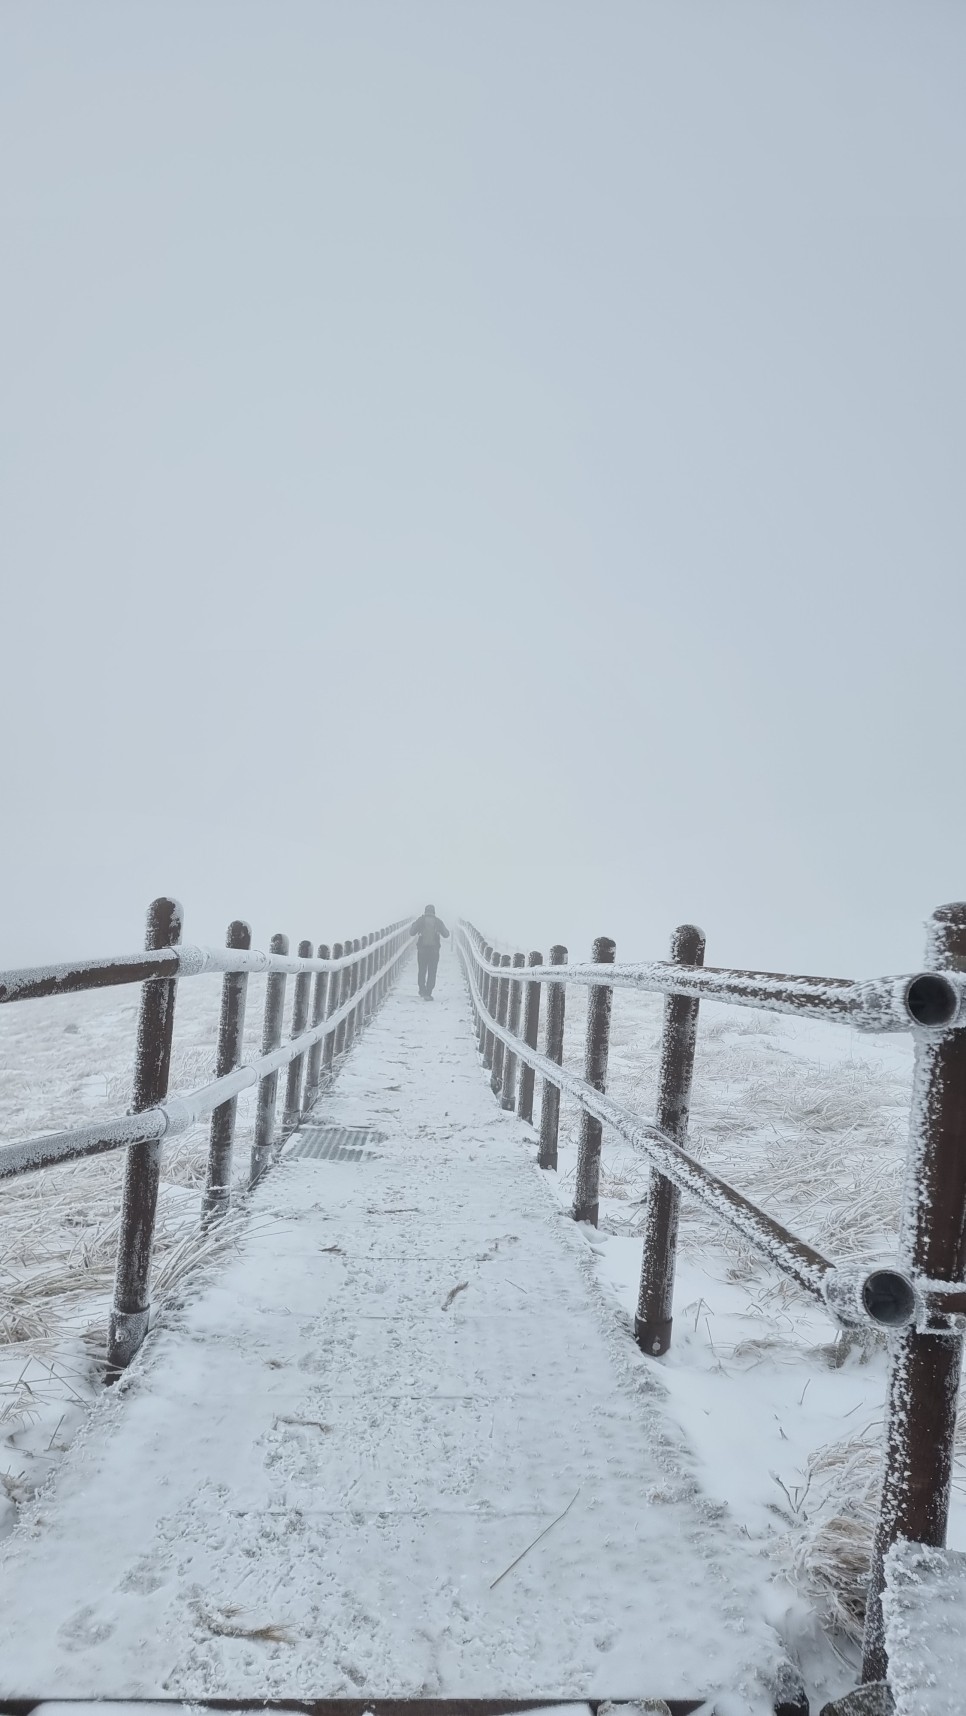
[920,1303]
[364,971]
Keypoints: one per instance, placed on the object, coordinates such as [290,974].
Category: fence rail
[35,982]
[919,1302]
[334,996]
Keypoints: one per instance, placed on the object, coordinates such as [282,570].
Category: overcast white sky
[503,452]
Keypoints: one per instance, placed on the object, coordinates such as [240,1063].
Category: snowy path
[345,1437]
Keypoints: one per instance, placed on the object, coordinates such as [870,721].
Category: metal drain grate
[335,1143]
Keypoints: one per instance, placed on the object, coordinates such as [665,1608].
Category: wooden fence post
[384,956]
[313,1060]
[292,1107]
[491,984]
[531,1026]
[499,1047]
[484,954]
[553,1049]
[508,1097]
[652,1324]
[268,1086]
[131,1309]
[231,1026]
[355,982]
[924,1379]
[333,1001]
[586,1190]
[345,988]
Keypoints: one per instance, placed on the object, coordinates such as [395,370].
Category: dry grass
[64,1061]
[820,1144]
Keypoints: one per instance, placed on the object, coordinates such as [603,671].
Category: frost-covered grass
[810,1121]
[66,1061]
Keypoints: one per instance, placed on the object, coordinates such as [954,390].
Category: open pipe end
[889,1299]
[884,1296]
[931,1000]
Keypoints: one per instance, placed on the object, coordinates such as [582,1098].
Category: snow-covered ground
[784,1417]
[338,1464]
[811,1120]
[63,1061]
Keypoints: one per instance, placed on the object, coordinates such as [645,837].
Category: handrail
[168,1119]
[793,1256]
[920,1000]
[335,992]
[840,1290]
[32,983]
[921,1302]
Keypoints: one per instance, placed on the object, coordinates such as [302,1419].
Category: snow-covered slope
[784,1419]
[399,1443]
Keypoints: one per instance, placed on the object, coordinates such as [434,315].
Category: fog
[503,455]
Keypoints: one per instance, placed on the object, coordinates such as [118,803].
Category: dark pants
[427,958]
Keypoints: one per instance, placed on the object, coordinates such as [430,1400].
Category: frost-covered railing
[920,1302]
[336,990]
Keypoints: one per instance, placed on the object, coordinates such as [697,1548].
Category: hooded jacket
[428,929]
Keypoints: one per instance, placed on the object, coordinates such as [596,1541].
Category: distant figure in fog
[427,931]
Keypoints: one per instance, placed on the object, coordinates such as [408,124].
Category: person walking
[427,931]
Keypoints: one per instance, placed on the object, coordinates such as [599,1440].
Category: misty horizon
[509,457]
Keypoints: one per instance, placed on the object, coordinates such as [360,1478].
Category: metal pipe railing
[32,983]
[922,1000]
[364,979]
[793,1256]
[921,1302]
[176,1115]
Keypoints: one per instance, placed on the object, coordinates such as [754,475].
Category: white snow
[404,1376]
[783,1419]
[923,1607]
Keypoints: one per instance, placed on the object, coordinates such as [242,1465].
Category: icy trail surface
[319,1475]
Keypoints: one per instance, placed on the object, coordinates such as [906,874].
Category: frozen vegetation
[783,1412]
[811,1121]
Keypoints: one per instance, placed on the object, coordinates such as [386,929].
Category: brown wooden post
[313,1060]
[924,1380]
[492,984]
[351,1022]
[389,954]
[383,968]
[652,1323]
[499,1047]
[221,1137]
[300,1018]
[353,984]
[553,1049]
[268,1086]
[482,974]
[131,1310]
[475,957]
[345,989]
[386,956]
[531,1026]
[508,1097]
[332,1004]
[363,971]
[361,946]
[586,1190]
